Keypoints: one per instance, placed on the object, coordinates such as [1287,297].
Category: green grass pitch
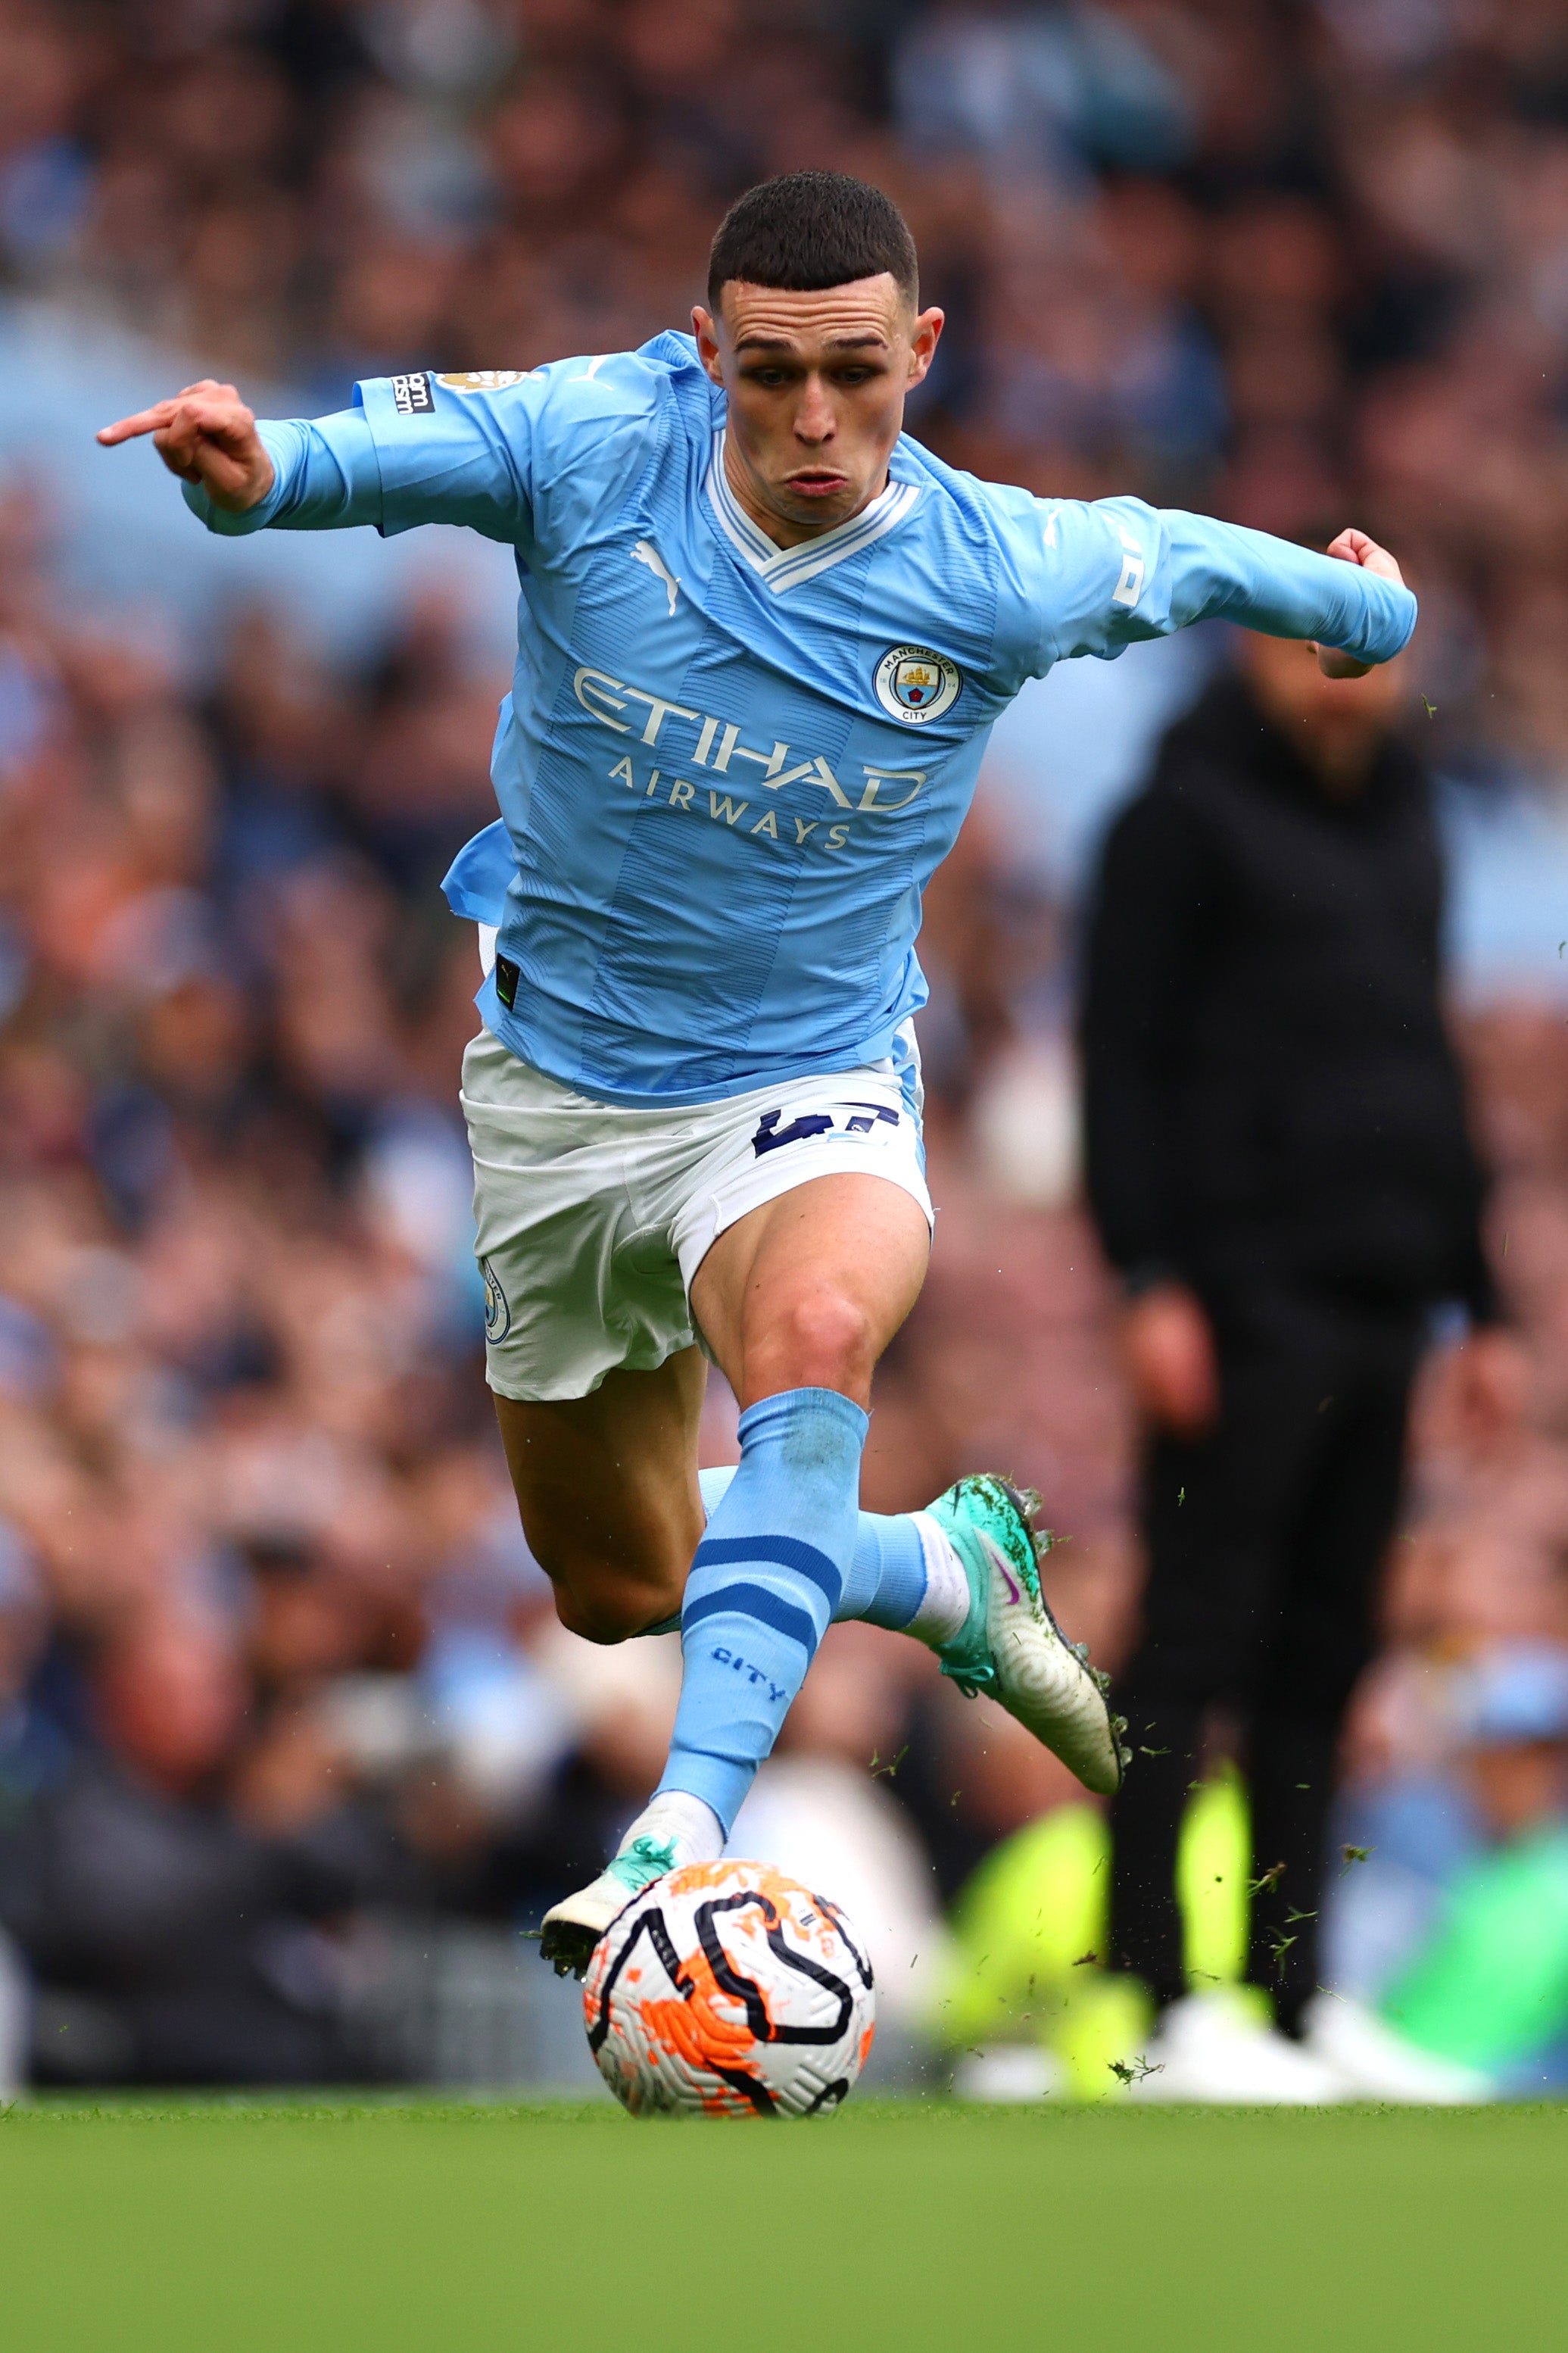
[262,2227]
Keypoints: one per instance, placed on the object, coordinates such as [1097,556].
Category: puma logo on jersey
[645,551]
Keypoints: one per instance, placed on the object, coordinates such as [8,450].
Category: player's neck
[783,530]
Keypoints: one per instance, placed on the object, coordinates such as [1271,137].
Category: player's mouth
[819,485]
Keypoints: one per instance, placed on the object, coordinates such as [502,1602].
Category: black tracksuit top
[1270,1095]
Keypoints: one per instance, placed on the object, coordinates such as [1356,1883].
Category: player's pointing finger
[213,403]
[146,420]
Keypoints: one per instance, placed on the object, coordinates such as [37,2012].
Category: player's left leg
[787,1297]
[606,1488]
[798,1300]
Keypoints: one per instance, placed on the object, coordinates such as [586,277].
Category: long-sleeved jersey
[727,770]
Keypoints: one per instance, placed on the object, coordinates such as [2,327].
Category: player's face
[817,385]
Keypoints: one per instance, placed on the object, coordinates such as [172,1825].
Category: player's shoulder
[666,370]
[974,512]
[1019,524]
[1026,565]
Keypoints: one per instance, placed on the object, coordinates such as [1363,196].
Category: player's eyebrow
[758,342]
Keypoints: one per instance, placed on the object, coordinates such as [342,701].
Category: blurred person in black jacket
[1280,1172]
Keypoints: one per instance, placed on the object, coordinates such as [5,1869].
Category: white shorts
[593,1219]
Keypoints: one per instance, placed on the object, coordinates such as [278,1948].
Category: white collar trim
[780,568]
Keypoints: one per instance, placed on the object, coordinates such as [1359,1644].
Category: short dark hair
[810,229]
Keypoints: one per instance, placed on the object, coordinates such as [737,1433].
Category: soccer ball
[726,1990]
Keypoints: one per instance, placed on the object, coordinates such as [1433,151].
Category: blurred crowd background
[291,1745]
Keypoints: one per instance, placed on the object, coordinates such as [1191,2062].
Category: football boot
[573,1927]
[1010,1646]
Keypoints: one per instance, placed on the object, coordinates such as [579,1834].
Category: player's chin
[826,500]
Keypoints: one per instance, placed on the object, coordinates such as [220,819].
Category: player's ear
[924,336]
[705,328]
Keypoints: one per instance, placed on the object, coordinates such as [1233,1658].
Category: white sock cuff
[941,1615]
[693,1824]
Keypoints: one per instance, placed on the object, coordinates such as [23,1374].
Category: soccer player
[763,637]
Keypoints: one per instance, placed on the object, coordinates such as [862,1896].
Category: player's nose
[814,419]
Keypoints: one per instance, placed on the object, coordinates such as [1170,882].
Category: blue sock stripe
[752,1601]
[787,1552]
[764,1588]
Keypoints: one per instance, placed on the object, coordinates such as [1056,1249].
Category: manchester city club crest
[914,684]
[497,1315]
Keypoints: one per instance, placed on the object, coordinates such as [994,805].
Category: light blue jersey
[727,770]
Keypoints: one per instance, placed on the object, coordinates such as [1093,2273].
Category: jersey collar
[782,568]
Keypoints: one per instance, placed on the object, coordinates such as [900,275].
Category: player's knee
[602,1615]
[824,1340]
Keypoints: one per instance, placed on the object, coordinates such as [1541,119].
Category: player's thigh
[576,1286]
[607,1488]
[806,1290]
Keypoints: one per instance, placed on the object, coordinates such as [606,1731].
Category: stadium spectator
[171,1940]
[1453,1947]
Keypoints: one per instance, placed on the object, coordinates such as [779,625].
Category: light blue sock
[767,1579]
[887,1578]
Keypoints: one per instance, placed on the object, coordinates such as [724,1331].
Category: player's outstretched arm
[1351,603]
[1123,570]
[241,476]
[208,437]
[389,461]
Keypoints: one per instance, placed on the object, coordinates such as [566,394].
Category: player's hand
[206,435]
[1355,547]
[1169,1350]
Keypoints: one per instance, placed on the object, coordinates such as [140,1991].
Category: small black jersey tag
[507,979]
[413,394]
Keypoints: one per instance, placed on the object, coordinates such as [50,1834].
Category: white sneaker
[1375,2062]
[1010,2072]
[1212,2046]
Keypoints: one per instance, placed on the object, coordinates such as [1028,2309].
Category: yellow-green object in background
[1104,2026]
[1028,1919]
[1214,1864]
[1030,1929]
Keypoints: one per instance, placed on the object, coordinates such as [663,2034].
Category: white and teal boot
[672,1830]
[573,1927]
[1010,1646]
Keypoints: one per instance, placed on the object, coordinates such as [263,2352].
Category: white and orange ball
[726,1990]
